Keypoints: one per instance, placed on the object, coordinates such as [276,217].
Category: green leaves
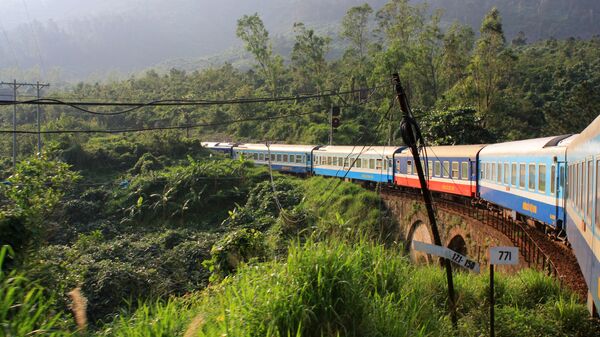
[37,186]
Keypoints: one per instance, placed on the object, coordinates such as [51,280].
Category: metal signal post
[410,135]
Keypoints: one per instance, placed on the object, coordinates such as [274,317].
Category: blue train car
[583,207]
[226,148]
[451,169]
[526,176]
[282,157]
[369,163]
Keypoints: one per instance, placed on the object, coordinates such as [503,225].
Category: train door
[558,176]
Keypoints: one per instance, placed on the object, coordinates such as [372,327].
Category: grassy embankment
[143,257]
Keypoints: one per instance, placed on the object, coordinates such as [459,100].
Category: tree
[458,46]
[454,126]
[252,31]
[355,29]
[308,58]
[491,65]
[398,20]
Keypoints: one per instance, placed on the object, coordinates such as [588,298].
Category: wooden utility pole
[410,136]
[16,85]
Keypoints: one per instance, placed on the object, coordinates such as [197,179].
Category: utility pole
[16,85]
[410,135]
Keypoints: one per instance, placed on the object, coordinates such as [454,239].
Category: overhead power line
[171,127]
[79,105]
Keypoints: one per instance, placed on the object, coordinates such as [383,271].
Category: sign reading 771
[504,255]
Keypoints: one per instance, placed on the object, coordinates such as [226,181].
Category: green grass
[348,211]
[25,308]
[362,289]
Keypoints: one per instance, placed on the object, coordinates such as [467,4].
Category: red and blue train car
[449,169]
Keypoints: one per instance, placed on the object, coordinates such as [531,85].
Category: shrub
[239,246]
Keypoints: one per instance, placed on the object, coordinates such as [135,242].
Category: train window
[285,159]
[278,157]
[522,175]
[372,164]
[446,172]
[589,189]
[365,163]
[579,174]
[464,170]
[542,178]
[513,174]
[438,168]
[385,164]
[430,168]
[409,167]
[261,157]
[455,170]
[482,171]
[329,160]
[300,158]
[552,179]
[272,157]
[531,177]
[561,180]
[488,171]
[334,160]
[494,172]
[499,176]
[585,187]
[341,161]
[379,164]
[597,196]
[506,174]
[358,163]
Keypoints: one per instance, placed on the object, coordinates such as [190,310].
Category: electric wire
[79,105]
[171,127]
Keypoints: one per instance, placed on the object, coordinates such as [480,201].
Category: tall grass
[346,212]
[334,288]
[25,310]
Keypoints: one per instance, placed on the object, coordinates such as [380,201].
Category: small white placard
[448,253]
[504,255]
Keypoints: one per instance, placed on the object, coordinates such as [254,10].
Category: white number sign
[448,253]
[504,255]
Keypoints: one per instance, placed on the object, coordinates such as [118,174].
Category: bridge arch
[419,231]
[458,244]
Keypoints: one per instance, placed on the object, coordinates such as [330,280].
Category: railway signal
[334,121]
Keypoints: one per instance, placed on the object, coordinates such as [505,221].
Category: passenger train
[553,182]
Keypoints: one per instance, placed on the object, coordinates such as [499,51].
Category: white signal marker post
[448,253]
[499,256]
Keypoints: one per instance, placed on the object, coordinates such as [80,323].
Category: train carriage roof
[587,135]
[363,150]
[276,147]
[453,151]
[536,146]
[217,144]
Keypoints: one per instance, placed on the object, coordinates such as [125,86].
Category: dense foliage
[124,230]
[510,90]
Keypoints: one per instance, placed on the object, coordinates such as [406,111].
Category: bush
[239,246]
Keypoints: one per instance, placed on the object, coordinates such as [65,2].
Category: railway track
[539,251]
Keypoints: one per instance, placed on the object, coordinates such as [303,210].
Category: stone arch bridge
[471,230]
